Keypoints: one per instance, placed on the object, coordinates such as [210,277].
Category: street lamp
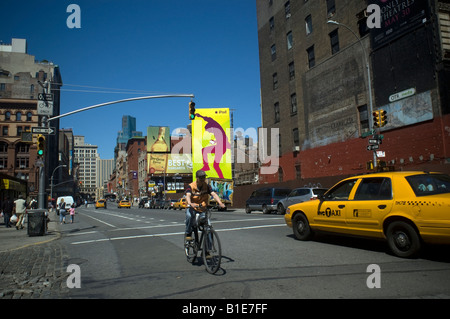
[51,181]
[369,82]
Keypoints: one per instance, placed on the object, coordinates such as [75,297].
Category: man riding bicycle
[197,196]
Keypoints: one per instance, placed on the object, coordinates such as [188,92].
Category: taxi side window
[374,189]
[429,184]
[340,191]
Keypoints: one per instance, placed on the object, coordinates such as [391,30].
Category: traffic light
[383,118]
[191,110]
[376,118]
[40,145]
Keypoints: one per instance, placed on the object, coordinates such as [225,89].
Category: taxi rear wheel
[403,239]
[300,224]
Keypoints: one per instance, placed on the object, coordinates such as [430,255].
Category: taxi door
[371,202]
[333,207]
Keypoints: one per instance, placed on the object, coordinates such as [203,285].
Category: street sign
[45,97]
[43,130]
[373,147]
[45,107]
[373,141]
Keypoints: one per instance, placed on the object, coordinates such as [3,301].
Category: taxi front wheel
[301,228]
[403,239]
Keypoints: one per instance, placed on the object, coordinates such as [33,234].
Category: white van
[68,200]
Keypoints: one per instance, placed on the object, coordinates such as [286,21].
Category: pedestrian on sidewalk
[21,209]
[7,209]
[72,212]
[62,211]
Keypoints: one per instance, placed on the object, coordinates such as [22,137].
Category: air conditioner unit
[296,149]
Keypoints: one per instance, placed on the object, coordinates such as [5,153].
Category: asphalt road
[138,253]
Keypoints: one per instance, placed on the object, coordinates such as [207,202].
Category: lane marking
[165,234]
[101,221]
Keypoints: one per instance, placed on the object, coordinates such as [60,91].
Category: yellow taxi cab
[101,203]
[180,204]
[405,208]
[124,204]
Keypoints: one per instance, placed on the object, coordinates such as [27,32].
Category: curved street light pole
[51,182]
[369,82]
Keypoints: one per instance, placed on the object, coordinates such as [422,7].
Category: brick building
[314,86]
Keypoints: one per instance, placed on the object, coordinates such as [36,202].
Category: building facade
[315,88]
[22,78]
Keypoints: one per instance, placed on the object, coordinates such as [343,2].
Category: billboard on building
[211,148]
[397,18]
[158,148]
[158,139]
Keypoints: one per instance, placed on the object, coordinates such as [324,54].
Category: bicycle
[208,243]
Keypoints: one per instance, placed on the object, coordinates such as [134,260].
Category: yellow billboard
[211,148]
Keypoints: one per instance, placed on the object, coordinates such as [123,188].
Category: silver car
[299,195]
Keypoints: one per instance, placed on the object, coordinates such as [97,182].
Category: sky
[133,48]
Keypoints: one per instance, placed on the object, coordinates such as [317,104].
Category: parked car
[101,203]
[142,202]
[265,199]
[157,203]
[180,204]
[124,204]
[406,209]
[299,195]
[168,204]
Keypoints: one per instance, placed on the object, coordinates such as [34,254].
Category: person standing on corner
[7,209]
[21,209]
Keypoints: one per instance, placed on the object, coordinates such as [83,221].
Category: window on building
[280,174]
[2,87]
[298,172]
[7,115]
[287,9]
[331,8]
[289,40]
[276,107]
[275,81]
[308,22]
[5,130]
[19,130]
[296,137]
[273,52]
[18,116]
[311,57]
[29,116]
[293,104]
[3,155]
[334,39]
[272,23]
[363,117]
[291,71]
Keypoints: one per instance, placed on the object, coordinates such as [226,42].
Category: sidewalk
[11,238]
[32,267]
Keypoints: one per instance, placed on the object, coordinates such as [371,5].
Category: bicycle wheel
[211,252]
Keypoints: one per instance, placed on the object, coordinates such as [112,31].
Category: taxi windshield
[429,184]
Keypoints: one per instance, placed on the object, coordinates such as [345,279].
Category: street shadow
[221,272]
[438,253]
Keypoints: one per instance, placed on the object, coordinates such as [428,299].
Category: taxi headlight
[288,211]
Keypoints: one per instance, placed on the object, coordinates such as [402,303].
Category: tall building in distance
[105,167]
[128,131]
[315,88]
[86,156]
